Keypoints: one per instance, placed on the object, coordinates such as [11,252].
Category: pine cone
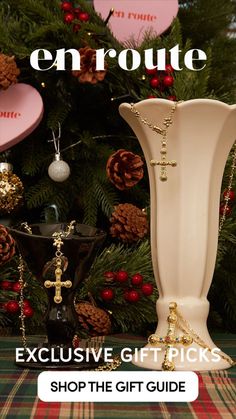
[94,320]
[7,245]
[8,71]
[129,223]
[88,72]
[124,169]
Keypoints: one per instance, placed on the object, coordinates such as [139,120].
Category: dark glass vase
[79,250]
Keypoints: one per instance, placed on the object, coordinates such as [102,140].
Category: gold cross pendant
[170,339]
[184,340]
[163,163]
[58,284]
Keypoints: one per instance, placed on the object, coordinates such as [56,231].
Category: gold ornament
[11,189]
[163,162]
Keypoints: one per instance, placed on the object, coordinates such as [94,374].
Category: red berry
[12,306]
[154,82]
[230,194]
[137,279]
[226,208]
[77,10]
[28,311]
[16,287]
[150,71]
[69,17]
[147,289]
[109,276]
[169,69]
[122,276]
[168,81]
[172,97]
[66,6]
[151,97]
[83,16]
[133,296]
[107,294]
[76,27]
[6,285]
[26,303]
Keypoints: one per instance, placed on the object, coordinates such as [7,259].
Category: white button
[117,386]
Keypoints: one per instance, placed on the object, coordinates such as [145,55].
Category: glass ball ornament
[59,170]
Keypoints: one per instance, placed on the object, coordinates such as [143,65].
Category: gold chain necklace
[184,326]
[230,185]
[58,272]
[21,268]
[175,319]
[163,162]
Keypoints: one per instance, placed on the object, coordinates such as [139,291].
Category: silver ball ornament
[59,170]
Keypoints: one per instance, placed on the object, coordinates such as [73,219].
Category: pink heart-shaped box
[21,110]
[132,19]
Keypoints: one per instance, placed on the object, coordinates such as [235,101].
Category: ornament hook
[56,139]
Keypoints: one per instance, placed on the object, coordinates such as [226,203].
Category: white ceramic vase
[185,210]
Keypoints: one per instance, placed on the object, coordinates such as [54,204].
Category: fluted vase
[185,209]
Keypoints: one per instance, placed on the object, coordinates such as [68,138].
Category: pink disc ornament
[21,110]
[131,19]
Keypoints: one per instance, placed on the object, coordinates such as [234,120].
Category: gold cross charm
[170,339]
[58,284]
[163,163]
[184,340]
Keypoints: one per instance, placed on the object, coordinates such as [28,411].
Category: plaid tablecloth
[18,390]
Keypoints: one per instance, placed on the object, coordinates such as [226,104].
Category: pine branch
[57,114]
[126,316]
[90,204]
[39,194]
[105,196]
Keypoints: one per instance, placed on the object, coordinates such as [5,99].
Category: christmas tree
[104,182]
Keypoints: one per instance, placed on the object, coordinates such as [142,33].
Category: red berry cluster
[226,204]
[161,80]
[10,286]
[12,306]
[133,286]
[72,14]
